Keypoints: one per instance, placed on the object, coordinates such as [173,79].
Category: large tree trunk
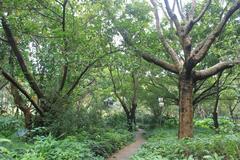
[132,117]
[131,121]
[185,107]
[28,118]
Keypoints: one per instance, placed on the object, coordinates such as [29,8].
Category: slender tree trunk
[231,114]
[185,107]
[215,113]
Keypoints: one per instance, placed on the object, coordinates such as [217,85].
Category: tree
[185,62]
[125,88]
[49,27]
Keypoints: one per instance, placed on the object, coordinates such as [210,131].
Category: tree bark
[28,118]
[132,117]
[22,106]
[185,107]
[215,113]
[215,119]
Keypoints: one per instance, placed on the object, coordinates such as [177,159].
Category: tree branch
[85,71]
[167,47]
[21,62]
[172,16]
[198,55]
[150,58]
[202,74]
[22,90]
[48,8]
[65,67]
[180,9]
[191,22]
[124,105]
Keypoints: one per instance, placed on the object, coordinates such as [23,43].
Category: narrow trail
[128,151]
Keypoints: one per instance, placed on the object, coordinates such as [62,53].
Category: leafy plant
[204,146]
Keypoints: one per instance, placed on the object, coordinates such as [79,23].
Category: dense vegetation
[206,144]
[78,78]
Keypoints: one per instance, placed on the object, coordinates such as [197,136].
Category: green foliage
[4,152]
[93,145]
[225,125]
[50,149]
[94,140]
[9,125]
[116,120]
[163,144]
[170,122]
[66,118]
[106,142]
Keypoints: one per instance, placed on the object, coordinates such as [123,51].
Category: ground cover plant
[95,79]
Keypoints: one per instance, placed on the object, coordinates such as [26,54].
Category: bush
[225,125]
[47,148]
[94,144]
[170,122]
[116,120]
[9,125]
[163,144]
[104,142]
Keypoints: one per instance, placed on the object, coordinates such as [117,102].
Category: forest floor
[131,149]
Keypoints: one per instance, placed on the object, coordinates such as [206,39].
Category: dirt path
[128,151]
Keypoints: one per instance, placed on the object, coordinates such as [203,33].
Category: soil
[131,149]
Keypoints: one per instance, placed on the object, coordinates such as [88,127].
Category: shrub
[166,146]
[47,148]
[225,125]
[107,141]
[170,122]
[9,125]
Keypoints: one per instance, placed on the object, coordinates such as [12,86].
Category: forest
[119,79]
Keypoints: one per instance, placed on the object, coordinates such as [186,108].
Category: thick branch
[169,67]
[18,54]
[202,74]
[191,22]
[207,43]
[22,90]
[167,47]
[172,16]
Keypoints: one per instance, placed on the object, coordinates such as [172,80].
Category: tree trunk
[129,123]
[22,106]
[215,120]
[28,118]
[215,114]
[185,107]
